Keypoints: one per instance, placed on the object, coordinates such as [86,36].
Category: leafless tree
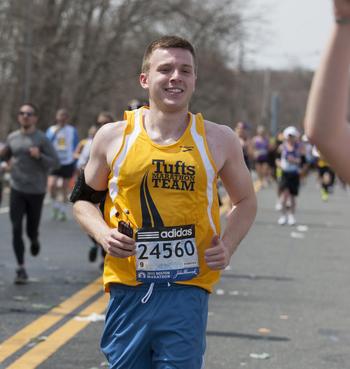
[85,55]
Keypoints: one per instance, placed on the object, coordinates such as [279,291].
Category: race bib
[166,254]
[61,143]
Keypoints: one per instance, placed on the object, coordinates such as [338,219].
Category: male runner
[326,175]
[326,118]
[103,117]
[261,147]
[289,163]
[242,132]
[31,155]
[159,167]
[64,138]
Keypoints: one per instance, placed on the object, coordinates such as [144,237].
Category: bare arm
[227,153]
[104,146]
[326,124]
[5,152]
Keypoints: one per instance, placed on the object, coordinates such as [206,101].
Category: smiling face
[170,79]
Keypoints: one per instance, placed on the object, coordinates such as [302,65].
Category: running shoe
[35,247]
[62,216]
[282,220]
[291,219]
[278,206]
[21,276]
[55,213]
[324,195]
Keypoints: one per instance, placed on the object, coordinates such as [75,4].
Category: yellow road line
[34,357]
[46,321]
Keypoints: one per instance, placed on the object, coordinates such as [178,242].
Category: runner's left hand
[217,256]
[34,152]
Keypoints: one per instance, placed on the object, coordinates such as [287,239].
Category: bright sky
[297,31]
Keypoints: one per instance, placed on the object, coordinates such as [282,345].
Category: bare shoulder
[110,130]
[108,139]
[219,134]
[222,142]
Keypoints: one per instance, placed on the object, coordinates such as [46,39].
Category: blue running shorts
[155,328]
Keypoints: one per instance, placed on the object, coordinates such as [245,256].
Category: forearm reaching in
[326,116]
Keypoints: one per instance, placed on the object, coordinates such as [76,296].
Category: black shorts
[247,160]
[64,171]
[290,181]
[324,170]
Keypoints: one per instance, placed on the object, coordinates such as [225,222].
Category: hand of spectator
[341,8]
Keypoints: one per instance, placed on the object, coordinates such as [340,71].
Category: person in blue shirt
[64,138]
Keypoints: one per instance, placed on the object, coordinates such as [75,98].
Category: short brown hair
[31,105]
[167,42]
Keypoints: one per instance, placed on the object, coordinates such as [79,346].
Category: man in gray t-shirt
[30,155]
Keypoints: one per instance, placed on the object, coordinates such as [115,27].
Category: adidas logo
[175,232]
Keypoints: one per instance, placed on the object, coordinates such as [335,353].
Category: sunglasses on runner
[27,113]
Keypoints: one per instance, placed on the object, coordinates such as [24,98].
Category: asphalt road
[282,304]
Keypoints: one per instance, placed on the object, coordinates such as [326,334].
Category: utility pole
[265,95]
[275,105]
[28,52]
[241,56]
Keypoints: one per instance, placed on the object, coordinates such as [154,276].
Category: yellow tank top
[322,163]
[170,188]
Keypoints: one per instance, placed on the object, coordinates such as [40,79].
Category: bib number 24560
[166,254]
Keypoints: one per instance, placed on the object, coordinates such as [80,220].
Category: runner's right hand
[117,244]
